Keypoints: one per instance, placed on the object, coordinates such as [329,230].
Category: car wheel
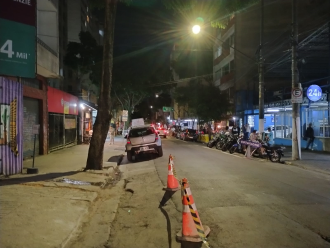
[129,156]
[160,152]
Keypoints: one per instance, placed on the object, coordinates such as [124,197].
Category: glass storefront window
[319,117]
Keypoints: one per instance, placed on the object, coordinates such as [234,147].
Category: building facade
[313,65]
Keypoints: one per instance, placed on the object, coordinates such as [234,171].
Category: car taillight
[156,138]
[128,141]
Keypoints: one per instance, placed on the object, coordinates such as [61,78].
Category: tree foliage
[204,100]
[85,57]
[136,76]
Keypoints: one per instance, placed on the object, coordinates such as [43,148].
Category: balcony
[225,53]
[47,60]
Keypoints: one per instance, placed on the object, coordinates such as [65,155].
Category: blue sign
[314,93]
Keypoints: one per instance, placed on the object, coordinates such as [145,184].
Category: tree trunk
[102,122]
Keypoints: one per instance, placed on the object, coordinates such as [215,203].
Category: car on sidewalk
[162,132]
[143,139]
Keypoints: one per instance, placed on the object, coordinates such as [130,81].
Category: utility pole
[261,71]
[296,137]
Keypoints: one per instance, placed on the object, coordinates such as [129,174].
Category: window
[231,40]
[232,66]
[218,74]
[218,52]
[139,132]
[319,117]
[225,70]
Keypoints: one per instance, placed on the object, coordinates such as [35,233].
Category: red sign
[62,102]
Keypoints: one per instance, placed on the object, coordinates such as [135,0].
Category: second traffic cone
[192,228]
[172,182]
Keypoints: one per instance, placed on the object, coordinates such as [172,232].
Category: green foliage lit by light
[204,101]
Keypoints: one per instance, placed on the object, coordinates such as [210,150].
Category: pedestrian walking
[112,135]
[309,134]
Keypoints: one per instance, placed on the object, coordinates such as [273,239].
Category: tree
[85,58]
[136,77]
[204,101]
[103,117]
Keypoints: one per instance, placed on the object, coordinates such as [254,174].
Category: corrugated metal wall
[11,127]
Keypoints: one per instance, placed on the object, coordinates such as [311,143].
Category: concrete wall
[74,20]
[320,144]
[47,23]
[47,63]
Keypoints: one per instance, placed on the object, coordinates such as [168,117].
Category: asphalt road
[251,203]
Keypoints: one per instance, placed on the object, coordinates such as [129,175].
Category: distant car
[143,139]
[189,134]
[162,132]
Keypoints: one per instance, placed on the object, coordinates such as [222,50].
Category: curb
[120,159]
[306,168]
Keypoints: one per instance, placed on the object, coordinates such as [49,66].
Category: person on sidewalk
[112,135]
[254,136]
[235,130]
[310,136]
[270,136]
[247,131]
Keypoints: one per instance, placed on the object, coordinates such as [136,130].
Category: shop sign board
[296,95]
[314,93]
[61,102]
[18,38]
[167,109]
[125,113]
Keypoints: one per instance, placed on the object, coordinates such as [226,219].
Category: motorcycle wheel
[232,149]
[224,148]
[218,146]
[275,157]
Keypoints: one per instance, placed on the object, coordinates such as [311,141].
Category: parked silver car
[143,139]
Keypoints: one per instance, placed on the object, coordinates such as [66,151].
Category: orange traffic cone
[170,159]
[192,228]
[172,182]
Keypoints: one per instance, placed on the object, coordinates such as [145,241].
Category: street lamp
[196,29]
[157,95]
[150,106]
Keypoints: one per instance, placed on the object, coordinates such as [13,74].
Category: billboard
[18,38]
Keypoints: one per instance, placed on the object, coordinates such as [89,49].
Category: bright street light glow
[150,106]
[156,95]
[196,29]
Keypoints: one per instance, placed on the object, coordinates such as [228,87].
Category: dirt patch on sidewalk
[140,222]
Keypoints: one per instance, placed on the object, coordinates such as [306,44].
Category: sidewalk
[311,160]
[48,211]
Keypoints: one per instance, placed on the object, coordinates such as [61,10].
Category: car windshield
[139,132]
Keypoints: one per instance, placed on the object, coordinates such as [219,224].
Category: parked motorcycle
[273,153]
[221,141]
[231,140]
[213,141]
[237,146]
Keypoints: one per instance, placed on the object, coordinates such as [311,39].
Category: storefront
[63,112]
[278,116]
[87,117]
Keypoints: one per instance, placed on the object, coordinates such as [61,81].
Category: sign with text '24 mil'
[17,49]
